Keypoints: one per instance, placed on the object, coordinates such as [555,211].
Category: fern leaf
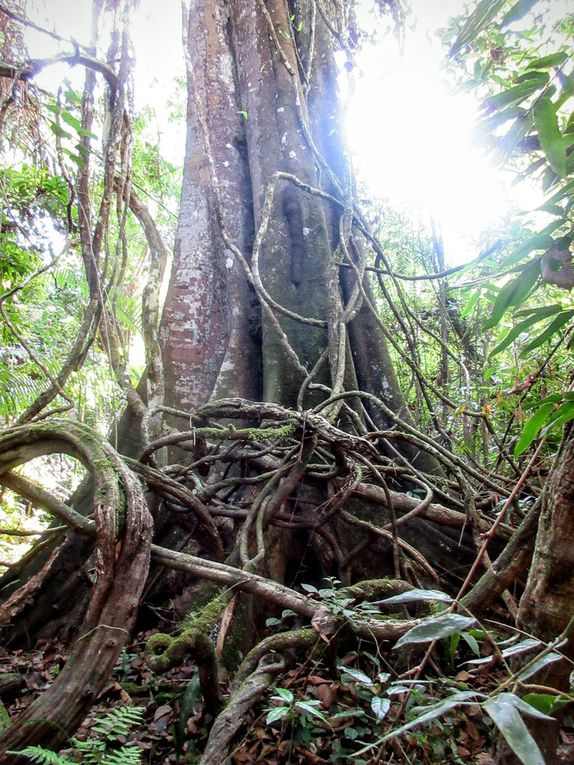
[43,756]
[126,755]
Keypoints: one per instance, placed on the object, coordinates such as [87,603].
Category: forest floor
[323,712]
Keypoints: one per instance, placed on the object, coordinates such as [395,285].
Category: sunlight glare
[411,137]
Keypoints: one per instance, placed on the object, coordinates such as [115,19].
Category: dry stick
[311,52]
[228,722]
[123,530]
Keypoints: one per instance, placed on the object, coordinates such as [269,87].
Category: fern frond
[126,755]
[43,756]
[117,722]
[91,751]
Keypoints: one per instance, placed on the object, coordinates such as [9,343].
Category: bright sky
[411,136]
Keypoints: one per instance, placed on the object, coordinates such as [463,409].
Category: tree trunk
[256,111]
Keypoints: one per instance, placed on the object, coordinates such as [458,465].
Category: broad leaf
[357,675]
[511,96]
[551,140]
[555,325]
[523,707]
[567,414]
[541,241]
[311,708]
[546,62]
[514,293]
[59,131]
[483,14]
[545,702]
[529,644]
[431,713]
[507,719]
[532,426]
[283,694]
[380,707]
[536,666]
[276,714]
[518,11]
[543,312]
[416,595]
[70,120]
[534,78]
[435,628]
[522,326]
[471,642]
[470,305]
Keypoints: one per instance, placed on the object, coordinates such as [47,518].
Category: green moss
[272,433]
[205,615]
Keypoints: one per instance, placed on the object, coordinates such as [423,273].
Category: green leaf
[415,595]
[536,666]
[529,644]
[70,120]
[311,708]
[547,62]
[540,241]
[555,325]
[59,131]
[282,694]
[431,713]
[380,707]
[356,674]
[85,133]
[483,14]
[507,719]
[545,702]
[543,311]
[276,714]
[534,78]
[513,95]
[514,292]
[532,426]
[523,707]
[435,628]
[470,304]
[471,642]
[522,326]
[42,756]
[562,415]
[518,11]
[551,139]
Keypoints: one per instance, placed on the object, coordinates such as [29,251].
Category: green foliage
[43,756]
[290,709]
[103,750]
[526,76]
[553,412]
[505,709]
